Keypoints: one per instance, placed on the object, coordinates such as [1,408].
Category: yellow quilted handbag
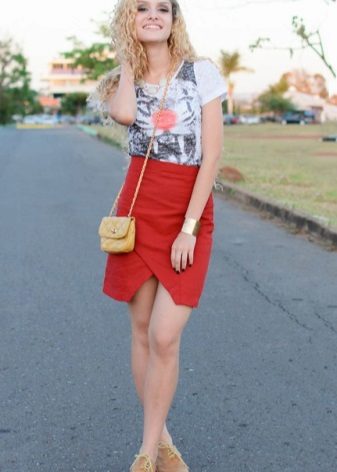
[118,233]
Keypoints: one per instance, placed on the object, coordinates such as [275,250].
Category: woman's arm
[123,103]
[212,143]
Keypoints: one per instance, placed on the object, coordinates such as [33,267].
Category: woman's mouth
[152,27]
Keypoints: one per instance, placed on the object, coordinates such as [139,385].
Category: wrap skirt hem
[159,212]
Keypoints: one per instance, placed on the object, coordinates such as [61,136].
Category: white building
[63,78]
[324,110]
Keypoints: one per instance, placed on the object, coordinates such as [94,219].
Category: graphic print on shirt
[177,137]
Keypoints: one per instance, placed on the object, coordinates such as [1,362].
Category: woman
[162,279]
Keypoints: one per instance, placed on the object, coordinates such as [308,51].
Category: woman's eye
[142,8]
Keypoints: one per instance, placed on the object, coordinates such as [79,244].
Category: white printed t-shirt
[178,135]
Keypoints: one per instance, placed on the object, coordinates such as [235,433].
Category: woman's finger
[178,260]
[190,256]
[173,257]
[184,259]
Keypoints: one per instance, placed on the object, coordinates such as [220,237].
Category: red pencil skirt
[159,210]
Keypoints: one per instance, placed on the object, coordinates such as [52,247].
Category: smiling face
[153,20]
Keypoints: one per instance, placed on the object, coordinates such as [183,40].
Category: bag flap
[115,227]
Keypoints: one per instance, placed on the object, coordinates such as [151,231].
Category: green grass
[115,134]
[288,164]
[282,163]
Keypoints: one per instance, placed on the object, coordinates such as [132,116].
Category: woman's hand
[182,251]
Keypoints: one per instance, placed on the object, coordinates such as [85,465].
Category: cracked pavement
[258,371]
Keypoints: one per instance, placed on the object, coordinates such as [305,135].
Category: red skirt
[160,208]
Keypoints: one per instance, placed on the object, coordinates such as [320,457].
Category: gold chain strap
[161,106]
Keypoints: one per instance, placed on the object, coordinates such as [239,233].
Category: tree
[281,86]
[16,97]
[230,64]
[308,39]
[272,99]
[304,82]
[96,59]
[73,103]
[312,40]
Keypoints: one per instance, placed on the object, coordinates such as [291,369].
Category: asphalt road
[258,374]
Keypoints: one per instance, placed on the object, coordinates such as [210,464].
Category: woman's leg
[166,325]
[140,308]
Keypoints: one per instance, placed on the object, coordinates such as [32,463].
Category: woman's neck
[159,62]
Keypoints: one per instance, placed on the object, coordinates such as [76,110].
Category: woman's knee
[163,344]
[139,331]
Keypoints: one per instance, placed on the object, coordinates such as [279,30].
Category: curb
[98,135]
[303,222]
[87,130]
[34,126]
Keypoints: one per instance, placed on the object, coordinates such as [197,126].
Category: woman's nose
[152,13]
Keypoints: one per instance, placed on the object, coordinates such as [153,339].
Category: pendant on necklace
[152,89]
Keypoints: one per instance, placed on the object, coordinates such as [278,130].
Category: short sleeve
[211,84]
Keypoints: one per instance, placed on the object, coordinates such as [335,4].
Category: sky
[42,28]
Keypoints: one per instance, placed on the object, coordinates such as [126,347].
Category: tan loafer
[169,459]
[143,463]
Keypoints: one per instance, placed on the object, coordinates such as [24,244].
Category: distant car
[249,119]
[17,118]
[229,119]
[302,117]
[67,119]
[40,119]
[88,119]
[268,118]
[49,119]
[330,138]
[31,120]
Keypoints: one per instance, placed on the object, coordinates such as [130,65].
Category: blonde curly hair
[126,46]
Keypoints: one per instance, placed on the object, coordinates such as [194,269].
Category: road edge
[301,221]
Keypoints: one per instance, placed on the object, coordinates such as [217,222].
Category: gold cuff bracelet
[191,226]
